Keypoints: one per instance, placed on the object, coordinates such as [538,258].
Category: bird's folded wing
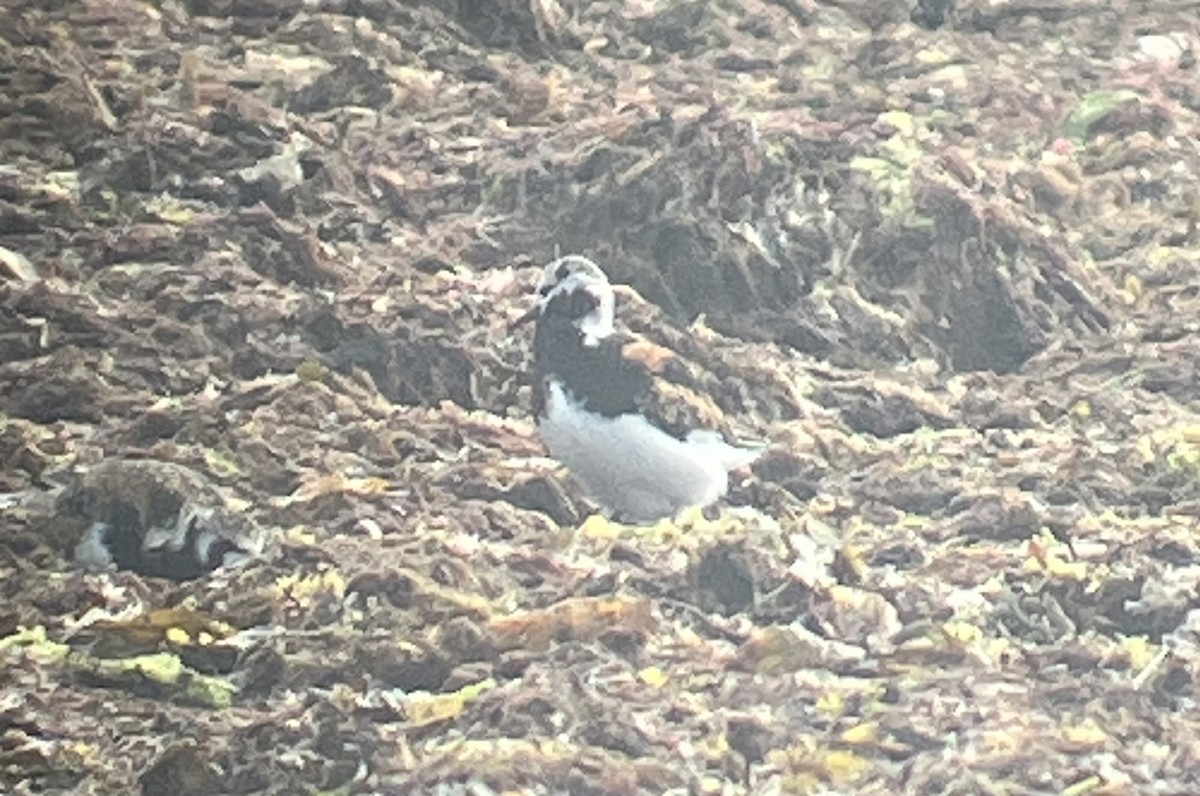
[676,399]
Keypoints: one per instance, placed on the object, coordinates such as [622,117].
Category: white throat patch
[598,323]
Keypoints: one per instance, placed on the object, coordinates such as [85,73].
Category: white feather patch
[636,471]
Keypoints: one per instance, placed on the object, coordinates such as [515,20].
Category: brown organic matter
[942,256]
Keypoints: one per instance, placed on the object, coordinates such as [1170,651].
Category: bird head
[575,289]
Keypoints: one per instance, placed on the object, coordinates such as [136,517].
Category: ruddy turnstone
[616,410]
[156,518]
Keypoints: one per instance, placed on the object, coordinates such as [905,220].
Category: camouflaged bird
[157,518]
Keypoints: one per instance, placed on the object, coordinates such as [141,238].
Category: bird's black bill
[524,319]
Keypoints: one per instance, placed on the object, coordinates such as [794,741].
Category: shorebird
[617,410]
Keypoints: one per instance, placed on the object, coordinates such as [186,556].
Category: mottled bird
[156,518]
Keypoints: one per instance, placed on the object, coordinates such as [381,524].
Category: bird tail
[731,457]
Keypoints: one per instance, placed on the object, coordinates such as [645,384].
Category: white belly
[637,472]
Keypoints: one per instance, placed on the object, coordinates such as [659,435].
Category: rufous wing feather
[675,400]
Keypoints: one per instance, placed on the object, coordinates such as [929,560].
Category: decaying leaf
[574,619]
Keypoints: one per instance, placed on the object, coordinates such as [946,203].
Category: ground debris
[259,266]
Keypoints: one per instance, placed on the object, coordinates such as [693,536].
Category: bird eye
[582,303]
[563,272]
